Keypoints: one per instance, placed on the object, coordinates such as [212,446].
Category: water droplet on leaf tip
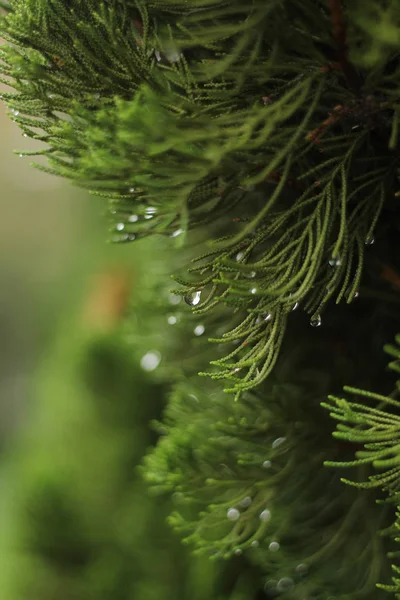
[193,299]
[278,442]
[199,330]
[335,261]
[25,135]
[296,306]
[233,514]
[120,226]
[21,155]
[266,464]
[176,233]
[268,317]
[316,321]
[172,320]
[238,551]
[265,515]
[255,544]
[285,584]
[150,360]
[274,546]
[369,241]
[158,55]
[253,291]
[133,218]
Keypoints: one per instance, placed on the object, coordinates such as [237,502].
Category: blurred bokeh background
[51,239]
[76,520]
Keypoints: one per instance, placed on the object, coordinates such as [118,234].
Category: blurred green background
[52,237]
[76,521]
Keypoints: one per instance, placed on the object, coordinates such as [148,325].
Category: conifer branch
[340,36]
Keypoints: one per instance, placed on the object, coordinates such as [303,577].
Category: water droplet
[369,241]
[267,317]
[193,397]
[265,515]
[233,514]
[285,584]
[120,226]
[255,544]
[150,360]
[356,294]
[150,210]
[316,321]
[296,306]
[278,442]
[158,55]
[172,320]
[132,237]
[133,218]
[147,217]
[21,155]
[174,299]
[239,256]
[302,569]
[274,546]
[131,190]
[246,502]
[250,275]
[193,299]
[176,233]
[335,261]
[238,551]
[25,135]
[270,588]
[253,291]
[266,464]
[173,55]
[199,330]
[16,112]
[236,370]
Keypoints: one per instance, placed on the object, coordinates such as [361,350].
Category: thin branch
[340,36]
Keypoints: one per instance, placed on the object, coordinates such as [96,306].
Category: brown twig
[340,37]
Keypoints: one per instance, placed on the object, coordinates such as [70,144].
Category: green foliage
[84,524]
[188,116]
[263,136]
[247,477]
[377,430]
